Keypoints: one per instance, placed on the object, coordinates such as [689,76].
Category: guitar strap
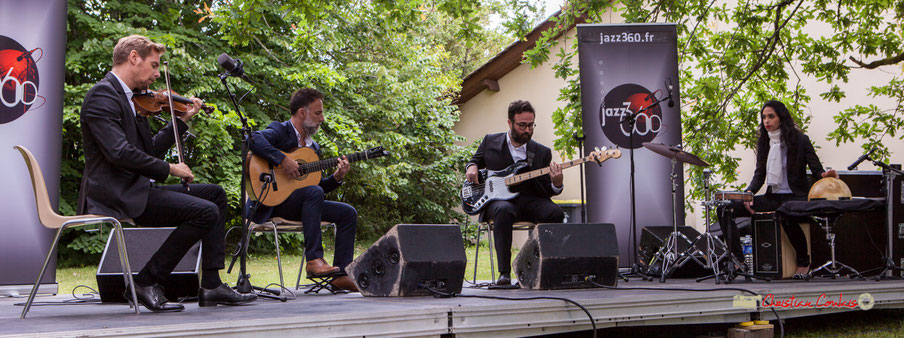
[530,158]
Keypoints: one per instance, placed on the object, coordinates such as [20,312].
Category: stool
[279,225]
[487,225]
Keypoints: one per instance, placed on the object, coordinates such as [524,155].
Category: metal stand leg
[34,289]
[833,267]
[491,244]
[126,266]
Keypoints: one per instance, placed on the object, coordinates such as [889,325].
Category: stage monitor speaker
[652,238]
[408,259]
[773,255]
[141,244]
[562,256]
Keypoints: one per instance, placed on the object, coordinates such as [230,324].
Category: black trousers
[198,214]
[522,208]
[306,205]
[763,203]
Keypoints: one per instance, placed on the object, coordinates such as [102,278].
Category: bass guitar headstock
[601,154]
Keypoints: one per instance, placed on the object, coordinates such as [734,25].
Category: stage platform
[323,314]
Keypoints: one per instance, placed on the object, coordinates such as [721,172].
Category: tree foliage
[388,69]
[735,56]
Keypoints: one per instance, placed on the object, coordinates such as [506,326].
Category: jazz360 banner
[32,57]
[625,69]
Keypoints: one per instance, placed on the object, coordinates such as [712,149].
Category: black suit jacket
[121,154]
[800,155]
[270,143]
[493,154]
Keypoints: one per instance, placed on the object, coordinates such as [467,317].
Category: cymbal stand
[668,255]
[710,260]
[733,268]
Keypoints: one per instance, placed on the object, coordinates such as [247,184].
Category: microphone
[668,85]
[232,66]
[861,159]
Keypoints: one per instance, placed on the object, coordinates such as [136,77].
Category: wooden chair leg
[34,289]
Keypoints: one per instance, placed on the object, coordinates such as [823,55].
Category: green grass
[263,269]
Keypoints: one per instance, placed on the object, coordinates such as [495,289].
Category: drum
[742,196]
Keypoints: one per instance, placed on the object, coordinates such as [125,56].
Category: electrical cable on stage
[775,313]
[452,294]
[75,301]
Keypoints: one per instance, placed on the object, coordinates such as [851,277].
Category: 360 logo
[623,101]
[19,81]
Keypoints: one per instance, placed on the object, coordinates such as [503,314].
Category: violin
[149,103]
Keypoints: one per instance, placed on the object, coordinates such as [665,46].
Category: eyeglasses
[525,125]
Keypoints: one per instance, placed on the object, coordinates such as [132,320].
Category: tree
[764,51]
[388,69]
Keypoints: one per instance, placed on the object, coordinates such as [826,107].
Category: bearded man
[307,205]
[497,152]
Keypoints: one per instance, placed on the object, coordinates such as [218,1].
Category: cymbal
[675,153]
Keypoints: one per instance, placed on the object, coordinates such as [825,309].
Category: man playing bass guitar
[307,204]
[498,151]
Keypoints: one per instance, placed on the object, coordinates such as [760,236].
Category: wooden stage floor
[354,315]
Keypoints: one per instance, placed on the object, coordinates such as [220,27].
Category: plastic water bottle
[747,246]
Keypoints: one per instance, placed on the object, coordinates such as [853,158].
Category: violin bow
[169,96]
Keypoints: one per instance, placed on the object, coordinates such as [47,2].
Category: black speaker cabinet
[653,238]
[861,237]
[141,244]
[773,255]
[408,258]
[561,256]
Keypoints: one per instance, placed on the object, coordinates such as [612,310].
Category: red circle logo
[19,79]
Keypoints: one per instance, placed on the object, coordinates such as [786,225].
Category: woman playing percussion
[783,154]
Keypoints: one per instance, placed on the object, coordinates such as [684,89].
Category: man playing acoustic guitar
[307,204]
[498,151]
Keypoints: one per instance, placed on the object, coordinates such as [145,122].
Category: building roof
[486,76]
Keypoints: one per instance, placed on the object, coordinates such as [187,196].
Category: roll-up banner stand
[625,68]
[32,61]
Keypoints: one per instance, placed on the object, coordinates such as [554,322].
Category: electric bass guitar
[494,185]
[279,186]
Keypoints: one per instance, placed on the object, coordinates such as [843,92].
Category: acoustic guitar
[494,185]
[261,173]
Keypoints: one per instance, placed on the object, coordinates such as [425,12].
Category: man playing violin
[307,205]
[123,170]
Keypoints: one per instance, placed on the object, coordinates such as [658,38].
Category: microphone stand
[631,120]
[888,264]
[580,140]
[243,284]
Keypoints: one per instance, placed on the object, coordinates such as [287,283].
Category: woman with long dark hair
[783,154]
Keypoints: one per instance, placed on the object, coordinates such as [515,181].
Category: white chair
[50,219]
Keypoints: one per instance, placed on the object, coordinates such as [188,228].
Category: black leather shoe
[223,295]
[152,298]
[504,279]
